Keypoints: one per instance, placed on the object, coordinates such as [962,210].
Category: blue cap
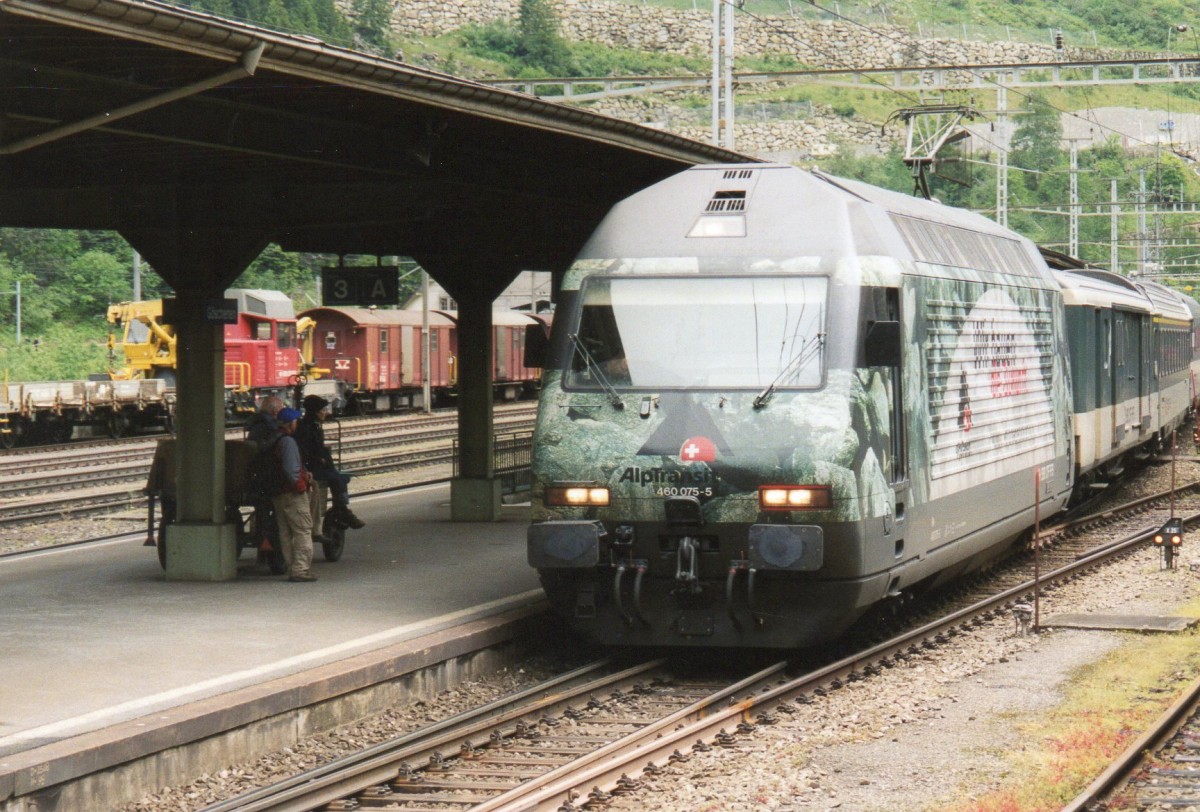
[288,415]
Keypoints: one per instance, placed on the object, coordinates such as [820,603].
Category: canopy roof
[189,132]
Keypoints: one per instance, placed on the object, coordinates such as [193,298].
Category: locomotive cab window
[699,332]
[136,332]
[285,337]
[262,330]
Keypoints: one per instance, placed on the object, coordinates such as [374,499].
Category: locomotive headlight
[577,496]
[795,497]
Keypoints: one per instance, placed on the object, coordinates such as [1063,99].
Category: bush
[496,40]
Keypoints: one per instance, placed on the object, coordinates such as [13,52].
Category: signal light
[795,497]
[577,496]
[1170,539]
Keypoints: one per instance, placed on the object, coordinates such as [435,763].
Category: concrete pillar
[201,544]
[475,492]
[199,261]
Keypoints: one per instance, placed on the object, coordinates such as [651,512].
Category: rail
[546,757]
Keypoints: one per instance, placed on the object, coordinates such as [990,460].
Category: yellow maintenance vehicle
[147,345]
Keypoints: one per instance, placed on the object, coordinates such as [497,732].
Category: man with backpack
[291,502]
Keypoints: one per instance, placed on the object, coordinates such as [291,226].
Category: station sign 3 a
[366,286]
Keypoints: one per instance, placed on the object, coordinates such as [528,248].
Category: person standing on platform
[291,503]
[265,425]
[319,459]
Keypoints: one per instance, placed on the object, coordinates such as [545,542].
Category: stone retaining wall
[806,134]
[689,32]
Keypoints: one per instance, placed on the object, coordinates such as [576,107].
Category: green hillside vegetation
[69,278]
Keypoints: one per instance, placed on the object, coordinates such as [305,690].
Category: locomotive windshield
[700,331]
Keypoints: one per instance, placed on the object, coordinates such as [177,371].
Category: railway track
[68,481]
[1159,770]
[574,753]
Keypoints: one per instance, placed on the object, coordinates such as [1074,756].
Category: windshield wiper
[807,352]
[608,388]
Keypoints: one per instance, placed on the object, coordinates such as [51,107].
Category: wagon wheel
[337,539]
[117,425]
[8,439]
[60,432]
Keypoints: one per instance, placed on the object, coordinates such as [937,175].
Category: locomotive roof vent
[738,174]
[727,201]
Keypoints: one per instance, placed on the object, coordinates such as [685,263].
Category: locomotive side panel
[985,360]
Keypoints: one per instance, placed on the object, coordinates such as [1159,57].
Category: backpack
[265,477]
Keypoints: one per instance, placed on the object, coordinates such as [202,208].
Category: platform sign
[221,311]
[215,311]
[366,286]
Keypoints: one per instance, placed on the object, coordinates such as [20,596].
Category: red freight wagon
[510,377]
[378,355]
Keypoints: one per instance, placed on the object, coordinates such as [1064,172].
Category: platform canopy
[188,132]
[203,140]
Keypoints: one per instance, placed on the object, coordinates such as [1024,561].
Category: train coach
[776,398]
[1131,346]
[371,360]
[512,378]
[1194,369]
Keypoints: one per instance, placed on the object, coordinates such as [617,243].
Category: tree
[1036,140]
[276,270]
[541,44]
[373,25]
[96,279]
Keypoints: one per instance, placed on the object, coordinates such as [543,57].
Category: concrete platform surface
[95,635]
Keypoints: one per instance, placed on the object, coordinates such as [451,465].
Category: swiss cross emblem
[697,449]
